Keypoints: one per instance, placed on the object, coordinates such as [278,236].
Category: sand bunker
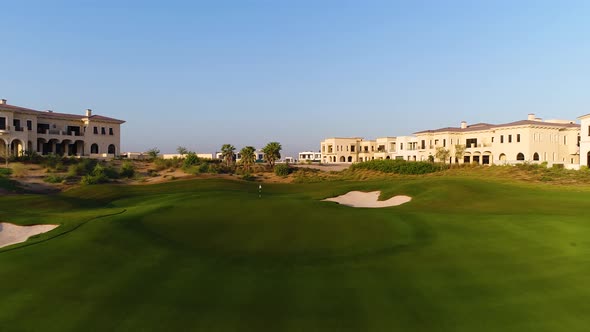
[11,234]
[368,200]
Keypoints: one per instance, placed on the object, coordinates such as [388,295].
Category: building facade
[531,140]
[24,130]
[310,156]
[585,140]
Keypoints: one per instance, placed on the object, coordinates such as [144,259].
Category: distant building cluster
[532,140]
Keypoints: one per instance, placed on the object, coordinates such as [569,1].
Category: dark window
[103,131]
[518,138]
[470,141]
[423,144]
[111,131]
[401,146]
[29,125]
[509,138]
[96,130]
[588,130]
[3,123]
[352,148]
[520,156]
[94,148]
[536,156]
[16,124]
[444,143]
[492,139]
[501,138]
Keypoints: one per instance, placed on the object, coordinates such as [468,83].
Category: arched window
[342,159]
[349,159]
[536,156]
[94,148]
[502,157]
[112,149]
[520,156]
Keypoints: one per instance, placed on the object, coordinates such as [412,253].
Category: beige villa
[531,140]
[45,132]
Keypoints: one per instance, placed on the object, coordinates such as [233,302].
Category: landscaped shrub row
[400,166]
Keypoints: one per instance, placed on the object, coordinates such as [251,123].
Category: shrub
[400,166]
[248,177]
[19,170]
[5,171]
[127,170]
[282,170]
[53,178]
[191,159]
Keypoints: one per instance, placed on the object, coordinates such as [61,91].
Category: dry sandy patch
[11,234]
[361,199]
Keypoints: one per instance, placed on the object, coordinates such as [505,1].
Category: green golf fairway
[465,254]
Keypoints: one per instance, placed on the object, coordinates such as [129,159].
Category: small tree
[459,151]
[182,151]
[153,153]
[228,152]
[430,158]
[272,153]
[248,157]
[442,154]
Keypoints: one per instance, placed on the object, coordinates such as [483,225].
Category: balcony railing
[59,132]
[18,128]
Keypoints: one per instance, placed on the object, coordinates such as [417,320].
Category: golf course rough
[209,255]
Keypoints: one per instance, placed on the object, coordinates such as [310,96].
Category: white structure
[585,140]
[532,140]
[178,155]
[26,130]
[310,156]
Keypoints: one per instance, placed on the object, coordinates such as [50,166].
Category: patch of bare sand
[361,199]
[12,234]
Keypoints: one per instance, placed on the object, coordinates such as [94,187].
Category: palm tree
[228,152]
[248,157]
[272,153]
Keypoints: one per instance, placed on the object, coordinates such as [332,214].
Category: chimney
[463,124]
[88,112]
[531,117]
[2,101]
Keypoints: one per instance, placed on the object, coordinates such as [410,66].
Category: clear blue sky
[204,73]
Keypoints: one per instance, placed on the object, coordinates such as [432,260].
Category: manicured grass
[465,254]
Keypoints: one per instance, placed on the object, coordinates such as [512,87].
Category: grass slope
[464,255]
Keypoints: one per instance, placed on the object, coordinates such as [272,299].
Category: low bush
[54,178]
[282,170]
[400,166]
[127,170]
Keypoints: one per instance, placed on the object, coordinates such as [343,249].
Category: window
[471,141]
[96,130]
[501,138]
[492,139]
[520,156]
[444,143]
[103,131]
[29,125]
[536,156]
[3,123]
[517,138]
[509,138]
[564,140]
[401,146]
[588,130]
[94,148]
[423,145]
[352,148]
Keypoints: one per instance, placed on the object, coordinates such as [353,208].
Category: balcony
[5,130]
[56,132]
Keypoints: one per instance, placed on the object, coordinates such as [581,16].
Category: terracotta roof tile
[48,114]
